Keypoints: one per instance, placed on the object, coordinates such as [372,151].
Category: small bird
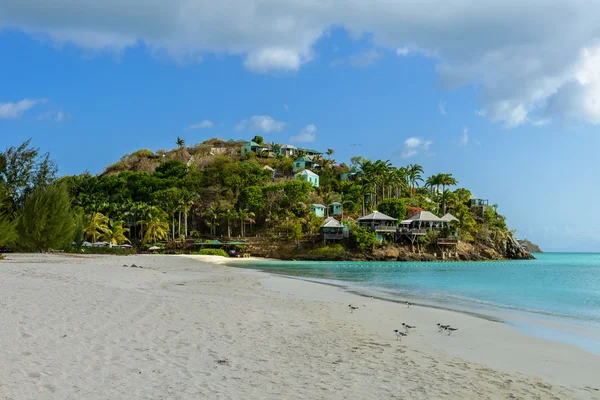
[442,327]
[355,145]
[450,330]
[407,327]
[399,334]
[408,304]
[352,308]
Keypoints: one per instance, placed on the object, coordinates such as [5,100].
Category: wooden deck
[447,241]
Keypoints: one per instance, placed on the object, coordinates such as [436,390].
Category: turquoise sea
[556,296]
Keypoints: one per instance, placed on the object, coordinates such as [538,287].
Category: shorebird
[442,327]
[407,327]
[408,304]
[399,334]
[352,308]
[450,330]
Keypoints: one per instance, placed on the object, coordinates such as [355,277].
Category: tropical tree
[97,226]
[155,226]
[258,140]
[229,215]
[212,214]
[116,233]
[466,223]
[312,224]
[245,216]
[8,231]
[180,142]
[47,220]
[414,172]
[446,180]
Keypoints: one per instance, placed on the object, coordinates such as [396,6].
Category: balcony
[416,232]
[333,236]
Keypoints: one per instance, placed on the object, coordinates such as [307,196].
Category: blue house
[308,176]
[334,209]
[318,209]
[303,163]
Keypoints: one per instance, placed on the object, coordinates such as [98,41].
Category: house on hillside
[287,150]
[333,230]
[448,218]
[423,220]
[310,152]
[303,163]
[318,210]
[352,175]
[334,208]
[254,147]
[379,222]
[478,205]
[308,176]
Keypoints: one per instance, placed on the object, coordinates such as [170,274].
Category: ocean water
[558,293]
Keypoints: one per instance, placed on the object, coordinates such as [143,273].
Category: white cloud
[442,107]
[262,123]
[360,60]
[525,71]
[464,139]
[55,115]
[415,145]
[200,125]
[308,134]
[16,110]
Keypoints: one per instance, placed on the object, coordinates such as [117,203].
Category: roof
[318,206]
[335,203]
[449,217]
[425,216]
[331,223]
[303,159]
[307,173]
[377,216]
[268,168]
[287,146]
[254,144]
[310,150]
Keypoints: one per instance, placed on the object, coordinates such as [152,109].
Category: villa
[287,150]
[308,176]
[254,147]
[318,210]
[351,175]
[379,222]
[334,208]
[303,163]
[310,152]
[332,229]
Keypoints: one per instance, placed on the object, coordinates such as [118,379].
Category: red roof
[410,211]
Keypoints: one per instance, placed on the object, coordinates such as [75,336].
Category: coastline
[188,328]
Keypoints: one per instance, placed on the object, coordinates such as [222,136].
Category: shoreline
[191,328]
[559,328]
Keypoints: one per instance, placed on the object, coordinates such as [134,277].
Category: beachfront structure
[254,147]
[334,208]
[379,222]
[303,163]
[351,175]
[308,176]
[287,150]
[332,229]
[318,210]
[423,220]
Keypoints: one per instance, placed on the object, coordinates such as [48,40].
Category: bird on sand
[399,334]
[352,308]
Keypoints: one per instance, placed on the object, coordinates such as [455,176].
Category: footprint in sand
[34,375]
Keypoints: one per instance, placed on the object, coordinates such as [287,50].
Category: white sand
[87,328]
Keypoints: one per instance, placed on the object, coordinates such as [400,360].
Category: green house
[351,175]
[303,163]
[308,176]
[310,152]
[252,146]
[334,209]
[318,209]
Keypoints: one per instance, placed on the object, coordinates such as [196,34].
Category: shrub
[332,251]
[103,250]
[393,207]
[213,252]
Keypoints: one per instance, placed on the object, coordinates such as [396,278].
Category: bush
[103,250]
[213,252]
[332,251]
[395,208]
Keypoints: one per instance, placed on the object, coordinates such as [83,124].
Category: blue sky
[512,116]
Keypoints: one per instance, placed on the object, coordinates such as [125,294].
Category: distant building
[310,152]
[303,163]
[378,222]
[351,175]
[308,176]
[287,150]
[334,208]
[332,229]
[252,146]
[318,210]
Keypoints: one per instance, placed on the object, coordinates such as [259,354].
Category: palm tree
[229,216]
[245,215]
[155,226]
[116,233]
[434,181]
[212,213]
[328,198]
[414,172]
[180,142]
[329,152]
[98,226]
[446,180]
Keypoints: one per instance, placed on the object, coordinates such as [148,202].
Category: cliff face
[289,250]
[529,246]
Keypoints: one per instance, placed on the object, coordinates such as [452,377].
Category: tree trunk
[185,227]
[179,225]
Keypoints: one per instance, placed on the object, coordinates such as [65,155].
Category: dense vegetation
[210,190]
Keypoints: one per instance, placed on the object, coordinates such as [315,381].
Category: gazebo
[378,222]
[423,220]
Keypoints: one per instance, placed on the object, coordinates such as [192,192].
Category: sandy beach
[85,327]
